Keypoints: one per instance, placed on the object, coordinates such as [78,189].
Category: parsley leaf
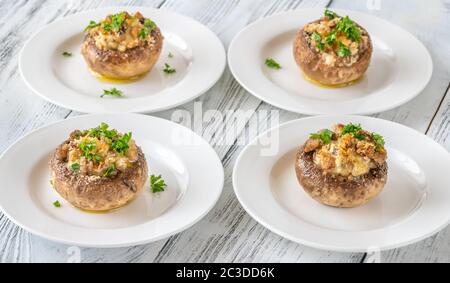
[92,24]
[170,55]
[157,183]
[75,166]
[120,145]
[143,33]
[343,51]
[349,28]
[168,69]
[379,140]
[112,92]
[117,21]
[325,136]
[102,131]
[318,39]
[88,148]
[331,37]
[271,63]
[56,204]
[354,130]
[149,24]
[109,171]
[106,26]
[330,14]
[67,54]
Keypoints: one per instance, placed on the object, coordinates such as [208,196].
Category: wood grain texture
[227,233]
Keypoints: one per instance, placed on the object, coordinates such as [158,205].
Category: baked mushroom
[98,169]
[343,167]
[333,50]
[122,46]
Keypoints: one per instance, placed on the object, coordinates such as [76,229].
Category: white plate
[199,59]
[400,68]
[179,155]
[413,205]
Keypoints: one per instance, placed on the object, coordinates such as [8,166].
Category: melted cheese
[102,149]
[341,157]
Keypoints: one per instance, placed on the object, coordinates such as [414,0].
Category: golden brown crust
[312,64]
[336,190]
[126,64]
[97,193]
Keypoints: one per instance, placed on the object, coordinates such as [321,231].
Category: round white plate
[413,205]
[400,68]
[178,154]
[198,57]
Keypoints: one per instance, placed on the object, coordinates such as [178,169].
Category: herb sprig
[355,130]
[67,54]
[325,136]
[92,24]
[168,69]
[379,140]
[56,203]
[157,183]
[109,171]
[112,92]
[271,63]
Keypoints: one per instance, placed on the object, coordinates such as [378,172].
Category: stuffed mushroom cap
[343,167]
[122,46]
[333,50]
[98,169]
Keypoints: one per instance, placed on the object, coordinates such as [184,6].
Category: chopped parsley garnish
[271,63]
[343,51]
[88,148]
[92,24]
[143,33]
[349,28]
[67,54]
[168,69]
[109,171]
[56,204]
[318,39]
[157,183]
[112,92]
[116,141]
[102,131]
[325,136]
[106,26]
[354,130]
[331,37]
[330,14]
[149,25]
[75,166]
[170,55]
[379,140]
[117,21]
[120,145]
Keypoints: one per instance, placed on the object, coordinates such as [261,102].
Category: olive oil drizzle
[332,85]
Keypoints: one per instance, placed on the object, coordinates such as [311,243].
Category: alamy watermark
[230,127]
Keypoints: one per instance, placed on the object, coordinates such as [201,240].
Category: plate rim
[123,243]
[326,247]
[304,111]
[147,110]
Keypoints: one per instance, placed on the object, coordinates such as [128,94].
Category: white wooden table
[227,233]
